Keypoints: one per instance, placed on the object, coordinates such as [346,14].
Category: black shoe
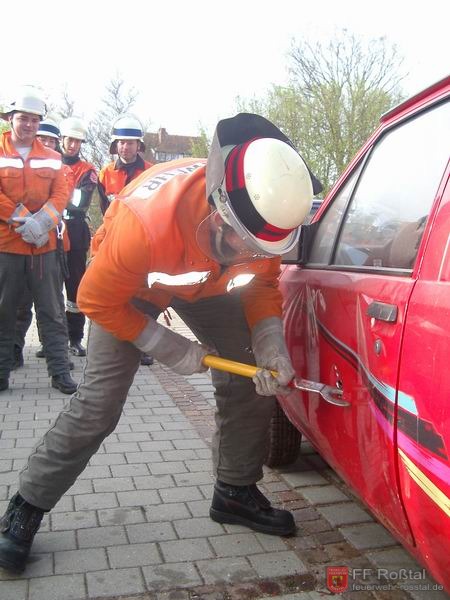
[18,358]
[40,354]
[77,349]
[246,505]
[64,383]
[146,360]
[18,526]
[4,384]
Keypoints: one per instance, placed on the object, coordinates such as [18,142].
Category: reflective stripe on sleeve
[52,212]
[76,197]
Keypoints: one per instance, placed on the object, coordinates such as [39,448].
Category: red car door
[424,426]
[346,309]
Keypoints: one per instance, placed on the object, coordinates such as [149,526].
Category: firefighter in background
[82,182]
[210,234]
[126,142]
[49,135]
[33,196]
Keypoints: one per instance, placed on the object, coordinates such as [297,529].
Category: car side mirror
[300,254]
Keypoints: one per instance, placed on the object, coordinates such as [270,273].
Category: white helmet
[73,127]
[49,128]
[28,100]
[259,184]
[126,127]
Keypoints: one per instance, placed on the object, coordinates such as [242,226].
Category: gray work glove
[20,211]
[172,349]
[34,229]
[270,350]
[31,231]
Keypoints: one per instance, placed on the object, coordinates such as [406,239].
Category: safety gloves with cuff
[35,228]
[271,354]
[177,352]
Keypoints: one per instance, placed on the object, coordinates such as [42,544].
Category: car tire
[284,440]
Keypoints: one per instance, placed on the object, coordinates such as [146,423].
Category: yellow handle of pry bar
[231,366]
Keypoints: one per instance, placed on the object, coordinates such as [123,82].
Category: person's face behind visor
[220,242]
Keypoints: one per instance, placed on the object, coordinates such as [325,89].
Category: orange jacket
[76,171]
[115,176]
[38,180]
[151,229]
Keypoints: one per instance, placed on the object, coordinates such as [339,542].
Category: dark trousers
[42,276]
[24,317]
[76,262]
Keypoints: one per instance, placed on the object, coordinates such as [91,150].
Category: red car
[367,310]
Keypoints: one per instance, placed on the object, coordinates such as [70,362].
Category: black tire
[284,440]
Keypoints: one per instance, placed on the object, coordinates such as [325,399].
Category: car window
[385,220]
[329,223]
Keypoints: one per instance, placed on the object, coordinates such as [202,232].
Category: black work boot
[18,357]
[40,353]
[246,505]
[18,526]
[146,360]
[76,348]
[64,383]
[4,383]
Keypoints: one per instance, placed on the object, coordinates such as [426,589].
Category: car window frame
[308,236]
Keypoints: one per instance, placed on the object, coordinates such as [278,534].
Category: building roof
[162,146]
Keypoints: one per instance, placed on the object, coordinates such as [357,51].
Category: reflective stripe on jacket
[82,180]
[151,229]
[33,182]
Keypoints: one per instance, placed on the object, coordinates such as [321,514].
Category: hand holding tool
[329,393]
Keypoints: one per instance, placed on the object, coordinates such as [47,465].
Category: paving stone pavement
[135,525]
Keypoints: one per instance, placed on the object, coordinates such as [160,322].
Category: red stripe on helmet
[234,171]
[270,233]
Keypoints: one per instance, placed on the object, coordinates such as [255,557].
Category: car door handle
[383,311]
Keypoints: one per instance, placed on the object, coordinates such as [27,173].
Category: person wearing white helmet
[49,135]
[127,141]
[32,198]
[204,237]
[82,183]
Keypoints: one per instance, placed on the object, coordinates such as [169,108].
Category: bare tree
[67,106]
[118,99]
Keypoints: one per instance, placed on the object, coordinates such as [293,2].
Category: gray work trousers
[41,274]
[242,417]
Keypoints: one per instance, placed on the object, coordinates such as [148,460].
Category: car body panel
[381,334]
[363,441]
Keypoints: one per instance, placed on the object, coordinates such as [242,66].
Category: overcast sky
[190,60]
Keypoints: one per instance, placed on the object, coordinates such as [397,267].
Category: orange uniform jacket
[112,179]
[151,228]
[76,171]
[34,182]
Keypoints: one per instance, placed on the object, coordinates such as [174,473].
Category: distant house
[162,146]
